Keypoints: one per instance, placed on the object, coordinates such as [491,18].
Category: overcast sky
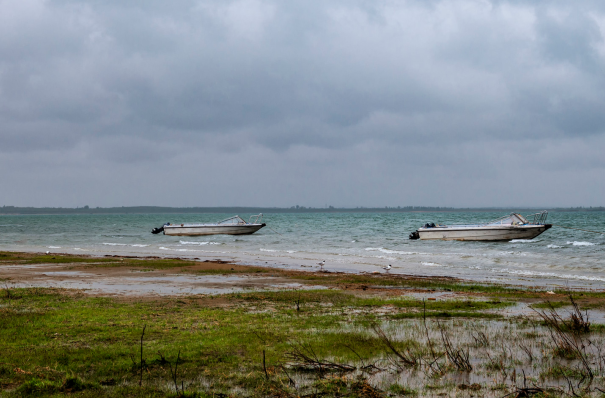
[278,103]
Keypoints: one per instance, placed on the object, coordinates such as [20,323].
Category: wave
[115,244]
[581,243]
[176,250]
[553,246]
[139,245]
[54,247]
[386,258]
[182,242]
[523,241]
[387,251]
[190,250]
[278,251]
[553,275]
[427,264]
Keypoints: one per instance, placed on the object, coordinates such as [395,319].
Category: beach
[118,326]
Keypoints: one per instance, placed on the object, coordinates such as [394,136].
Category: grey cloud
[361,101]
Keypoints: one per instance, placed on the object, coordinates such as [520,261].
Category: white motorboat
[231,226]
[513,226]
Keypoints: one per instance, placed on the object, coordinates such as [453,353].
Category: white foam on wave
[54,247]
[387,251]
[523,241]
[115,244]
[581,243]
[175,250]
[139,245]
[428,264]
[510,253]
[553,246]
[386,258]
[278,251]
[182,242]
[552,275]
[190,250]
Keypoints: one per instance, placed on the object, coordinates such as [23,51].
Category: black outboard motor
[158,230]
[429,225]
[415,235]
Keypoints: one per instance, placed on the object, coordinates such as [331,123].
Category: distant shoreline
[14,210]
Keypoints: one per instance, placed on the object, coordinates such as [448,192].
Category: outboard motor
[429,225]
[415,235]
[156,231]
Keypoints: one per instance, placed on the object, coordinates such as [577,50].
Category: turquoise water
[350,242]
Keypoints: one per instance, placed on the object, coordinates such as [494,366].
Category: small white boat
[513,226]
[231,226]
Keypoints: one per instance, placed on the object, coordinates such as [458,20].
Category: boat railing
[538,218]
[257,219]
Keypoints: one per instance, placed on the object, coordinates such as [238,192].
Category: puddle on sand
[166,286]
[525,310]
[154,285]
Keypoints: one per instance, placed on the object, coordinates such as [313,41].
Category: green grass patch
[58,339]
[398,389]
[558,371]
[36,258]
[551,304]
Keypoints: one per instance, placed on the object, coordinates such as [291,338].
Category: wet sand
[138,281]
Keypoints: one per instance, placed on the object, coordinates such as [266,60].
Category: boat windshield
[512,219]
[235,220]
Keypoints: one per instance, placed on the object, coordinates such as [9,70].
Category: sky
[339,103]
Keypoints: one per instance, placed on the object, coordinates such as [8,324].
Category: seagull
[47,252]
[387,269]
[321,264]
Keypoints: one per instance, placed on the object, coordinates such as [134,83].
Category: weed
[406,358]
[398,389]
[457,356]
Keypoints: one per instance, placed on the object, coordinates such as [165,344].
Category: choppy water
[359,242]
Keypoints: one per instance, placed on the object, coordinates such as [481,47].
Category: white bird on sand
[321,264]
[388,268]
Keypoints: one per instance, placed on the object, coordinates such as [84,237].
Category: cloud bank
[267,103]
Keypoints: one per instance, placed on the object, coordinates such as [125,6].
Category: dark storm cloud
[347,102]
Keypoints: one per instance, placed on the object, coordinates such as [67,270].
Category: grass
[55,342]
[49,335]
[36,258]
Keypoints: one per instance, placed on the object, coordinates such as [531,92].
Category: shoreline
[296,265]
[147,276]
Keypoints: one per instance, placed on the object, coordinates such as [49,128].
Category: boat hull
[200,230]
[486,233]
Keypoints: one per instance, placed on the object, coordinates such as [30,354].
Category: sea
[347,242]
